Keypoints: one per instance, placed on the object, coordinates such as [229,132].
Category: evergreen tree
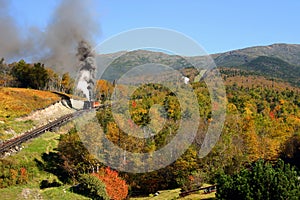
[263,181]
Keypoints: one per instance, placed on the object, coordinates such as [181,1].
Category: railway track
[13,143]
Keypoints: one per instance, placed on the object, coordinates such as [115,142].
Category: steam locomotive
[91,104]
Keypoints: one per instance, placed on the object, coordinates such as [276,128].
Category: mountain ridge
[287,52]
[273,50]
[285,56]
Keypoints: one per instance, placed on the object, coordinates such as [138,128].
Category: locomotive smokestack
[90,93]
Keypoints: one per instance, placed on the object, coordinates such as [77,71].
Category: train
[91,104]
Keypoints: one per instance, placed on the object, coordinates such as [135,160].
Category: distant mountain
[274,68]
[286,52]
[280,61]
[120,63]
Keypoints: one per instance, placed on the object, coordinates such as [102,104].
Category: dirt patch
[46,115]
[31,194]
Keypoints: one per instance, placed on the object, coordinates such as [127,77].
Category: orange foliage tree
[116,187]
[103,89]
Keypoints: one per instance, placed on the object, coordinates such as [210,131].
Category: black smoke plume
[87,72]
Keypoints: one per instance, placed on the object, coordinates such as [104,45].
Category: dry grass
[16,102]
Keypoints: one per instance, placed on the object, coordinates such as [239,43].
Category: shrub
[191,182]
[263,181]
[23,177]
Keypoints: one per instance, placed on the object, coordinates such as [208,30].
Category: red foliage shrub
[272,115]
[23,175]
[116,187]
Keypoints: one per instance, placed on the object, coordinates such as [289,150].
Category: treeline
[269,67]
[34,76]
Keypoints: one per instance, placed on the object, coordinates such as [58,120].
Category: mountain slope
[287,52]
[274,68]
[279,61]
[119,64]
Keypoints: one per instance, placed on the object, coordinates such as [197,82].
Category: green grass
[17,126]
[26,157]
[13,192]
[45,143]
[32,151]
[61,193]
[195,196]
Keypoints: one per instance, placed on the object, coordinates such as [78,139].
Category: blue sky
[216,25]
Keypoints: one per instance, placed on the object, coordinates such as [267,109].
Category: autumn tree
[6,79]
[54,80]
[75,157]
[291,150]
[103,90]
[67,83]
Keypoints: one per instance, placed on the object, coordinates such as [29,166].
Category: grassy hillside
[30,158]
[17,102]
